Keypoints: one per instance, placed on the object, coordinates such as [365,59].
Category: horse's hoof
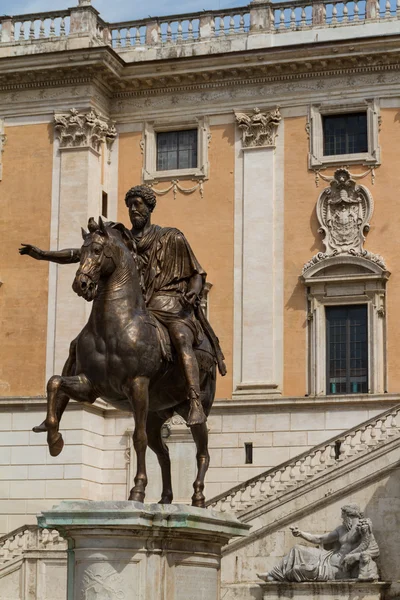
[56,447]
[199,501]
[40,428]
[136,496]
[165,500]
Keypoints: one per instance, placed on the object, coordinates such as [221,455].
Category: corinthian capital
[259,130]
[84,130]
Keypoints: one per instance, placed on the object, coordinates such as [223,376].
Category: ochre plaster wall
[206,222]
[25,196]
[302,241]
[384,234]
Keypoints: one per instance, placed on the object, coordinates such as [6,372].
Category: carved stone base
[325,590]
[134,551]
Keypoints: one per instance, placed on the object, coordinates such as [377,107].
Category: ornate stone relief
[259,130]
[3,140]
[103,583]
[84,130]
[177,187]
[344,210]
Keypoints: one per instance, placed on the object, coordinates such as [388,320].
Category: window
[347,349]
[345,134]
[177,150]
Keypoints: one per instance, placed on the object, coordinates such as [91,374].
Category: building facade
[269,134]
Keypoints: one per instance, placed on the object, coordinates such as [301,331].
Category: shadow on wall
[384,510]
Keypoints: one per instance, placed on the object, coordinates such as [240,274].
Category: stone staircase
[309,466]
[33,564]
[361,465]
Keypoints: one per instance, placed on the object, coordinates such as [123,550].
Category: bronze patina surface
[147,346]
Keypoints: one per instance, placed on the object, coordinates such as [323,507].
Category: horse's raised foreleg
[200,436]
[138,394]
[157,444]
[78,388]
[62,399]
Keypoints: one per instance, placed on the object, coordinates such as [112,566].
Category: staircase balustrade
[313,463]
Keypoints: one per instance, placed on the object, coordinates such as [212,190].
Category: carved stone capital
[84,130]
[259,130]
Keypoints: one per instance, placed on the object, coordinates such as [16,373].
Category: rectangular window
[248,453]
[345,133]
[177,150]
[347,349]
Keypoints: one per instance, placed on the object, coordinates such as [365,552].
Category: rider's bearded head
[139,215]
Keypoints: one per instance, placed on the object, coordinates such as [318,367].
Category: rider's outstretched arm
[62,257]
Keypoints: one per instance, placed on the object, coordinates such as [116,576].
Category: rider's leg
[183,339]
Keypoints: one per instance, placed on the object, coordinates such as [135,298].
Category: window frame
[325,289]
[317,158]
[178,146]
[347,307]
[149,148]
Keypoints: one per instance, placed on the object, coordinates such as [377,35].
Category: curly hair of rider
[145,192]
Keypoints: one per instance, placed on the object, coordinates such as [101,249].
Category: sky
[119,10]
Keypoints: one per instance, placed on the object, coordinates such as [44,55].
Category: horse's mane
[117,228]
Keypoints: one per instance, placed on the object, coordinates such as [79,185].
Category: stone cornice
[119,79]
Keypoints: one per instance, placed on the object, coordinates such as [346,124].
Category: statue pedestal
[134,551]
[325,590]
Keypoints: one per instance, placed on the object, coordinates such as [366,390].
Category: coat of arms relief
[344,210]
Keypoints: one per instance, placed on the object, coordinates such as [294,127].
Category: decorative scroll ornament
[260,129]
[3,139]
[176,187]
[84,130]
[343,211]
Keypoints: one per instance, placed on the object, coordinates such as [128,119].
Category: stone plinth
[325,590]
[134,551]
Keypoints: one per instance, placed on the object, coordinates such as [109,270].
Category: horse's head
[99,257]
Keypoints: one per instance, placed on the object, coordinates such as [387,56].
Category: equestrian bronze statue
[147,347]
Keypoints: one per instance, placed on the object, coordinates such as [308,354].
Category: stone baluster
[387,10]
[190,36]
[42,32]
[345,18]
[62,28]
[378,9]
[232,503]
[372,435]
[137,37]
[383,430]
[302,470]
[21,36]
[52,28]
[292,476]
[128,39]
[398,9]
[32,30]
[282,19]
[356,17]
[334,20]
[253,489]
[241,23]
[292,18]
[393,425]
[303,21]
[221,27]
[363,440]
[179,32]
[118,39]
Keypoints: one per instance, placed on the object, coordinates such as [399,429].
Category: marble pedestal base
[325,590]
[134,551]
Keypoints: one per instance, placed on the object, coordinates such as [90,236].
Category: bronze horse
[119,358]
